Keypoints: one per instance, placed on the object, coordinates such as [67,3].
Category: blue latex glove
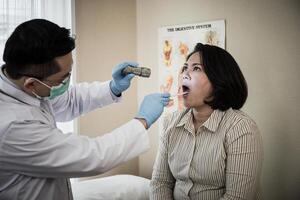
[121,82]
[153,106]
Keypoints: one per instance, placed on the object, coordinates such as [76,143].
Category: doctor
[36,158]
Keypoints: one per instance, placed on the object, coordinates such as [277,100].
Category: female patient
[211,150]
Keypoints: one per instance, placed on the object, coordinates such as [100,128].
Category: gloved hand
[153,106]
[121,82]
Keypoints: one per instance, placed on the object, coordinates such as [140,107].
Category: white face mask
[55,91]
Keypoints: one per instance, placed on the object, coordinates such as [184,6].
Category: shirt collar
[214,120]
[187,121]
[15,91]
[211,123]
[185,118]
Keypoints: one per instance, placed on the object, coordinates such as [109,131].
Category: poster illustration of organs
[175,43]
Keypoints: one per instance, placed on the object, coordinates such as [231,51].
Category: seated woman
[212,149]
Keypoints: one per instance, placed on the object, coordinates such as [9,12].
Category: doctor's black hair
[33,46]
[229,85]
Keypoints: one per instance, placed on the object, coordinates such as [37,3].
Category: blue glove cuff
[148,119]
[114,89]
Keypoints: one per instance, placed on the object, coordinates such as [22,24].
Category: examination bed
[118,187]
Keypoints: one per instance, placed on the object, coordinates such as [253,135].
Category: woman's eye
[184,68]
[197,69]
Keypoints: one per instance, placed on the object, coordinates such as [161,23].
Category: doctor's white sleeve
[82,98]
[35,149]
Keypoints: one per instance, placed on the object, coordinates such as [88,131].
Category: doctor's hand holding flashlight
[35,94]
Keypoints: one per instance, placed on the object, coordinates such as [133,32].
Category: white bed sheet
[118,187]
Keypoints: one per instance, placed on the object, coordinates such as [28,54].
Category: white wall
[263,36]
[106,36]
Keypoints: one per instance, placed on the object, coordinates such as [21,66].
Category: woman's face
[195,82]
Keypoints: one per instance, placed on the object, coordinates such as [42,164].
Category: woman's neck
[200,115]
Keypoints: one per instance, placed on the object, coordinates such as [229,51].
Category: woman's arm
[244,161]
[162,182]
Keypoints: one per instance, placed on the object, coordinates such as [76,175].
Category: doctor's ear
[29,84]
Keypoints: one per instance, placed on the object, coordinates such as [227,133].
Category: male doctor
[36,158]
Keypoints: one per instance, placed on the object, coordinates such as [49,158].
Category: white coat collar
[14,91]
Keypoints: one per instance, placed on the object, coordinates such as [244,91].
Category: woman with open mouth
[210,150]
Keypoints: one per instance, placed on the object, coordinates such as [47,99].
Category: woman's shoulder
[170,122]
[238,116]
[239,120]
[173,118]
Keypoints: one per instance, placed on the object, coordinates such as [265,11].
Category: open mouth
[185,90]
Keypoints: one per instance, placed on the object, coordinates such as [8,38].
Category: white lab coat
[37,159]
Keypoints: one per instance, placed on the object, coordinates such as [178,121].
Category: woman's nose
[186,76]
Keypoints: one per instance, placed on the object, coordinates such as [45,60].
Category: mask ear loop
[36,95]
[41,82]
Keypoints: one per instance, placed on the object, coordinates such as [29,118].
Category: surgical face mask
[55,91]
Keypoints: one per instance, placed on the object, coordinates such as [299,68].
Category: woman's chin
[187,104]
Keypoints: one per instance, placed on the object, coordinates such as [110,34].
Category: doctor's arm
[244,161]
[35,149]
[81,99]
[85,97]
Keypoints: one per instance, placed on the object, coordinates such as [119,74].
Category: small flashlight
[139,71]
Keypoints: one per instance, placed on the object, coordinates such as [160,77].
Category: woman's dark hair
[229,85]
[33,46]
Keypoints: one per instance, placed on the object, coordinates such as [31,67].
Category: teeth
[179,94]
